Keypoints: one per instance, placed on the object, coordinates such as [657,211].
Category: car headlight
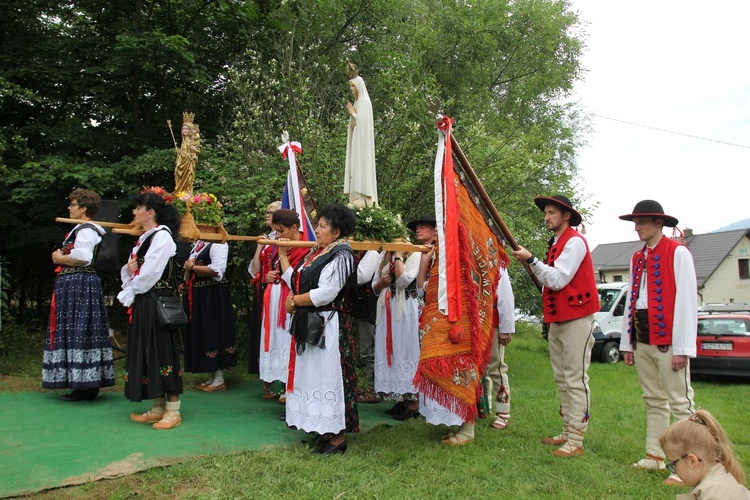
[596,328]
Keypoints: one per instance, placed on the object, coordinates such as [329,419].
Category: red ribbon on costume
[450,198]
[134,255]
[190,284]
[292,365]
[388,328]
[388,319]
[281,317]
[52,321]
[53,304]
[295,255]
[267,318]
[293,344]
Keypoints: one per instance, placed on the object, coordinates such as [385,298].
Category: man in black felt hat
[660,329]
[569,300]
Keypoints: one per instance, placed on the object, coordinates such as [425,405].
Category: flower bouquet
[206,209]
[379,224]
[200,214]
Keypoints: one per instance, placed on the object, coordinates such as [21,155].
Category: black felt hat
[425,219]
[562,202]
[651,208]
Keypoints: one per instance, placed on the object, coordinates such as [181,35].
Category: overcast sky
[681,66]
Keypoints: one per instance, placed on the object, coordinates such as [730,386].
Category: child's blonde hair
[702,434]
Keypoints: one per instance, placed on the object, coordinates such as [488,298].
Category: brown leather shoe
[146,418]
[214,388]
[457,440]
[168,422]
[368,397]
[568,451]
[555,440]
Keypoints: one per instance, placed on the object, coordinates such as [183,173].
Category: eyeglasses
[73,204]
[270,212]
[672,466]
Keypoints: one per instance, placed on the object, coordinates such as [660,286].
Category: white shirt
[506,304]
[219,253]
[161,249]
[566,265]
[86,239]
[367,267]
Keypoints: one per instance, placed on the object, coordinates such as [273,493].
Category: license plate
[717,346]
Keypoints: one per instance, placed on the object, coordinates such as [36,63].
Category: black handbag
[169,311]
[308,327]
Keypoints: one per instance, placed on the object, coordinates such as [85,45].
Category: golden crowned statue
[187,154]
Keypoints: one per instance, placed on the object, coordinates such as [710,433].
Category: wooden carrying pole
[132,229]
[117,225]
[490,206]
[239,237]
[356,245]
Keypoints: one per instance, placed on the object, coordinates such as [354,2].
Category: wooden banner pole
[490,206]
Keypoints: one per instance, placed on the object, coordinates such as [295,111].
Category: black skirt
[209,340]
[152,366]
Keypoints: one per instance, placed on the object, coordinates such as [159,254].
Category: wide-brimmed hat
[562,202]
[425,219]
[651,208]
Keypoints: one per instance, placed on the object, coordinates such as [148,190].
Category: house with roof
[722,264]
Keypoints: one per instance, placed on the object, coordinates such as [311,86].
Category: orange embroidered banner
[455,354]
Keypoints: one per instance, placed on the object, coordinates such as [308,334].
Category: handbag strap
[329,317]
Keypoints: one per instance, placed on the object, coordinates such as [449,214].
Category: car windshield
[723,326]
[607,297]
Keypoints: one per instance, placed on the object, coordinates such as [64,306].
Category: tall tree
[86,88]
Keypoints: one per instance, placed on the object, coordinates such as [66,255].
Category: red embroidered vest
[577,299]
[661,290]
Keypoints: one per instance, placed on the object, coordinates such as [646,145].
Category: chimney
[687,232]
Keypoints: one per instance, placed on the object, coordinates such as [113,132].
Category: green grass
[407,461]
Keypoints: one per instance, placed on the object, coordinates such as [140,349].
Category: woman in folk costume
[77,352]
[322,383]
[152,366]
[209,340]
[397,332]
[258,269]
[360,180]
[275,342]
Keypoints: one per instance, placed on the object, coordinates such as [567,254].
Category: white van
[607,342]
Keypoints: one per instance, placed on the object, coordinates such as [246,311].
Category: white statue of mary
[360,180]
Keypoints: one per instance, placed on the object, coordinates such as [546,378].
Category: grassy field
[407,461]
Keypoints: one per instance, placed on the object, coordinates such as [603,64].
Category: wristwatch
[531,260]
[293,304]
